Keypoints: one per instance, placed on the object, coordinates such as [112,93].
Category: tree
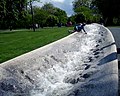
[49,8]
[33,25]
[2,13]
[40,16]
[79,18]
[79,3]
[109,9]
[86,10]
[55,14]
[61,15]
[10,12]
[51,20]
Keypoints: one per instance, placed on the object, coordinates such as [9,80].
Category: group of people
[78,28]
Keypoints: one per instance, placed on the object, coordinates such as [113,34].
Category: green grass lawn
[15,43]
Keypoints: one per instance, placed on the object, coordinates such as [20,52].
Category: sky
[65,5]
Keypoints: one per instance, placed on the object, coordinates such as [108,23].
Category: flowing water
[68,67]
[71,64]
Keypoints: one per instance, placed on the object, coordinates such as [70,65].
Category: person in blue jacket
[78,28]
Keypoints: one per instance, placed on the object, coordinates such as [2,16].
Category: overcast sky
[65,5]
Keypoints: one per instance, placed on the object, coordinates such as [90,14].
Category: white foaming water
[59,79]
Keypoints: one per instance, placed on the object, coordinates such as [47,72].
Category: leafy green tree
[79,3]
[26,17]
[31,7]
[40,16]
[61,15]
[49,8]
[2,13]
[10,12]
[109,9]
[2,9]
[28,20]
[86,10]
[24,22]
[72,19]
[79,18]
[51,20]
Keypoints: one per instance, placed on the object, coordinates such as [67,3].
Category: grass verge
[15,43]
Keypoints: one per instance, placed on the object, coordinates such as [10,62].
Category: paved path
[116,34]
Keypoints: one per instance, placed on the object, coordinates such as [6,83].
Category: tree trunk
[33,25]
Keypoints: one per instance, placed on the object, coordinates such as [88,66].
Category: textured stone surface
[78,65]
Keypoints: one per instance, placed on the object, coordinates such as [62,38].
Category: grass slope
[15,43]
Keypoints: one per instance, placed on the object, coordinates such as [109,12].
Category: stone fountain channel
[77,65]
